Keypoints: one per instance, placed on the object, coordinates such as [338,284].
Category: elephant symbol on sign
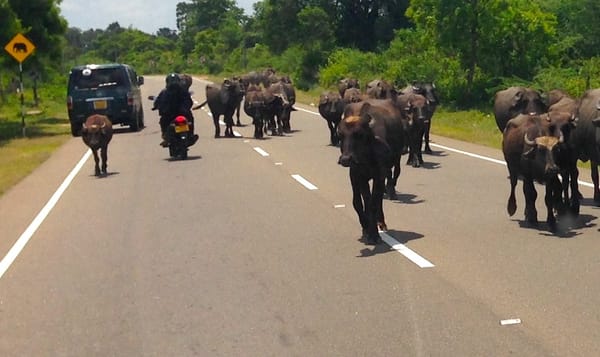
[20,47]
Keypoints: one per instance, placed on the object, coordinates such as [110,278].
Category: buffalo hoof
[217,136]
[97,172]
[428,150]
[373,240]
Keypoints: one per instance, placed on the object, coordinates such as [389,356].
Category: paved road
[251,248]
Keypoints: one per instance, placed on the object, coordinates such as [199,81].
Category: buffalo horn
[527,141]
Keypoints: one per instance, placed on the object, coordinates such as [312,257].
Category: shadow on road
[402,237]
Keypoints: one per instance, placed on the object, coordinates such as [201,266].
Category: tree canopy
[469,47]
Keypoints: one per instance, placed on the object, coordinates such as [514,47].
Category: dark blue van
[111,89]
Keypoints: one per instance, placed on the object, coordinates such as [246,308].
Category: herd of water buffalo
[543,138]
[542,141]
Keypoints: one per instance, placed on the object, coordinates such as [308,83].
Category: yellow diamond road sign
[19,47]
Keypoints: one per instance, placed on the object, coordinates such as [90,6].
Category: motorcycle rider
[174,100]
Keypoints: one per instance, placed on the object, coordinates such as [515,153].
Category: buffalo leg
[237,113]
[217,126]
[553,187]
[426,136]
[377,208]
[104,156]
[332,133]
[594,169]
[360,193]
[97,162]
[511,206]
[530,197]
[574,203]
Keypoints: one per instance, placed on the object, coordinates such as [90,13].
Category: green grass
[44,133]
[473,126]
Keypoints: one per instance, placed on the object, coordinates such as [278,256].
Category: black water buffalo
[347,83]
[255,106]
[96,134]
[281,106]
[288,108]
[223,99]
[529,145]
[414,108]
[371,134]
[428,90]
[562,112]
[586,138]
[510,102]
[331,108]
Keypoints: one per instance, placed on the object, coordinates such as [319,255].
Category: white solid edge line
[501,162]
[304,182]
[406,251]
[16,249]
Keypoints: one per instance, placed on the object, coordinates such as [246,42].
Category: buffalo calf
[96,133]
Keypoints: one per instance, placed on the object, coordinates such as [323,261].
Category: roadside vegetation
[469,49]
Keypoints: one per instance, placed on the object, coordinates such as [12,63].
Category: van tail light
[70,103]
[129,99]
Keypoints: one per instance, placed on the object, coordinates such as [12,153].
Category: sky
[144,15]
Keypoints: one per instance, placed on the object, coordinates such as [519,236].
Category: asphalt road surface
[251,248]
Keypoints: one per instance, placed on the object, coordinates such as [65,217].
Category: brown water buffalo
[510,102]
[529,145]
[331,108]
[371,135]
[585,140]
[96,134]
[347,83]
[353,95]
[380,89]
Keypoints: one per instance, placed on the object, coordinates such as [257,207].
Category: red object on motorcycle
[180,120]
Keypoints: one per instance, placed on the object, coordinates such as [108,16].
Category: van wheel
[142,125]
[135,124]
[76,129]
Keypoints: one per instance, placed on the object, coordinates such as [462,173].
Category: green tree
[44,26]
[502,38]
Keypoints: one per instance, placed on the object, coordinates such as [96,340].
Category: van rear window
[86,79]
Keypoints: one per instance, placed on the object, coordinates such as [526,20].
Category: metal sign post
[20,48]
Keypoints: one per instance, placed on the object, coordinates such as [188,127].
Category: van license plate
[100,104]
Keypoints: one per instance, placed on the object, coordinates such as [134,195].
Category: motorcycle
[178,136]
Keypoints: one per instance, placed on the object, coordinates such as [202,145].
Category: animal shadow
[402,237]
[566,226]
[108,174]
[436,153]
[430,165]
[407,198]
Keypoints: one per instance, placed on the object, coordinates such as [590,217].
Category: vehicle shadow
[189,158]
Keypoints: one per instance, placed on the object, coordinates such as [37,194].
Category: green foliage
[345,62]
